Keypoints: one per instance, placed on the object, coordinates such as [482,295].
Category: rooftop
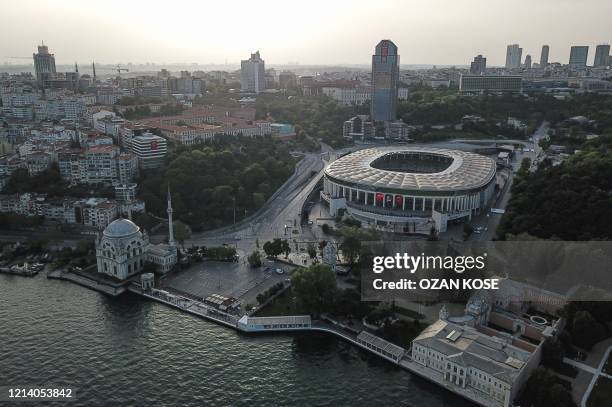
[466,171]
[299,319]
[121,228]
[471,348]
[380,343]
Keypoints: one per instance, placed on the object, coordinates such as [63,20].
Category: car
[279,271]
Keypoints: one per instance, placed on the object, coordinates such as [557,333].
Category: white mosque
[122,249]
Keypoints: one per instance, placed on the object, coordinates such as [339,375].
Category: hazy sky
[309,32]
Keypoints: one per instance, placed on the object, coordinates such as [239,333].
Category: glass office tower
[385,79]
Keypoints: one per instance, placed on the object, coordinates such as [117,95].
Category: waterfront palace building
[122,249]
[489,353]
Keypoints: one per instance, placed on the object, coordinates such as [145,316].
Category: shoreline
[326,325]
[405,362]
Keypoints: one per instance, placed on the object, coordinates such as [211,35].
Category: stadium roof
[466,171]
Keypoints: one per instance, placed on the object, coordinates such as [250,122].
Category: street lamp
[234,201]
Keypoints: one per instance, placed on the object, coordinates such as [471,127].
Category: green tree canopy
[314,288]
[181,232]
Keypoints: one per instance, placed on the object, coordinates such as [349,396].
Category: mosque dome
[121,228]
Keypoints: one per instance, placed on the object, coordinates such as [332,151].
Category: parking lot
[230,279]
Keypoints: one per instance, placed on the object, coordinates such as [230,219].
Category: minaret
[76,67]
[93,66]
[170,227]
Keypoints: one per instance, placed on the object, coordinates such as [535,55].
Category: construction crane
[119,69]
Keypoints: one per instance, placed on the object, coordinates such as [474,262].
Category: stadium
[409,189]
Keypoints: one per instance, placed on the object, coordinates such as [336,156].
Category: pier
[89,280]
[19,271]
[187,305]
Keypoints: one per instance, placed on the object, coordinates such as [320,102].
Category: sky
[440,32]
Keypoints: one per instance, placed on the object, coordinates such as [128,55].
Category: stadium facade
[409,189]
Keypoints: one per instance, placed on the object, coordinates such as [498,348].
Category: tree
[277,246]
[145,221]
[222,253]
[542,390]
[314,288]
[586,330]
[569,201]
[312,251]
[206,177]
[552,353]
[182,232]
[254,259]
[524,168]
[273,248]
[350,249]
[285,248]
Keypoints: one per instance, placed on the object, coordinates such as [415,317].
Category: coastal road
[282,209]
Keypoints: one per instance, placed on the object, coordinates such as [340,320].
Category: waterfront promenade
[327,325]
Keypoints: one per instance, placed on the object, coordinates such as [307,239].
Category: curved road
[282,209]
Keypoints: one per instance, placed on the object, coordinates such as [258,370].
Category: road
[540,133]
[490,221]
[279,217]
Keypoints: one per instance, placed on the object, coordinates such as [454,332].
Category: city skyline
[170,35]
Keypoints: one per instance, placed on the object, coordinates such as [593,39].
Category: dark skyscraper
[544,56]
[44,63]
[385,79]
[602,55]
[513,56]
[578,56]
[479,65]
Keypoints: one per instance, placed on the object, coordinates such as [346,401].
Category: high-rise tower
[578,56]
[385,80]
[602,55]
[170,226]
[479,65]
[252,74]
[513,56]
[544,56]
[44,63]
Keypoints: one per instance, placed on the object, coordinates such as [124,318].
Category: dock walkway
[18,272]
[327,325]
[82,279]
